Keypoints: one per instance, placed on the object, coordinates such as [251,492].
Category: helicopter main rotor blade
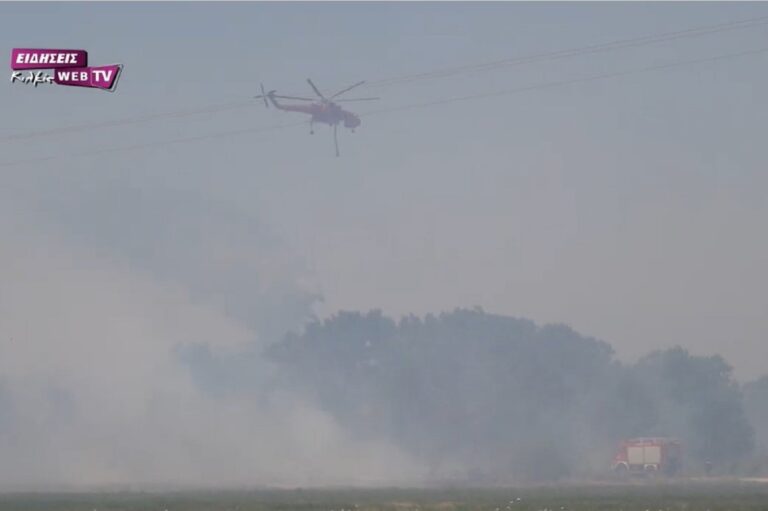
[293,97]
[347,89]
[315,89]
[357,99]
[282,97]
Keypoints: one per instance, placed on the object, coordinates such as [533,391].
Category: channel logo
[64,67]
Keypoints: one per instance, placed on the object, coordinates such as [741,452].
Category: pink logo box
[32,58]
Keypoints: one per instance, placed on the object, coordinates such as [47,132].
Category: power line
[584,50]
[131,120]
[560,83]
[539,86]
[442,73]
[156,144]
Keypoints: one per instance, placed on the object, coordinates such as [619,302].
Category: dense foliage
[489,396]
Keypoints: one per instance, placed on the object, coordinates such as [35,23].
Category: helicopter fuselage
[326,112]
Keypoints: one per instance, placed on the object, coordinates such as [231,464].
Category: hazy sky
[631,208]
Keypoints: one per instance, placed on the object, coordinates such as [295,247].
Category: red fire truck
[648,456]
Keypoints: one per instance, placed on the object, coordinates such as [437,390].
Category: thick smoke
[105,300]
[144,343]
[223,257]
[756,402]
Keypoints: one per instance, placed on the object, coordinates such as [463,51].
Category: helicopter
[325,110]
